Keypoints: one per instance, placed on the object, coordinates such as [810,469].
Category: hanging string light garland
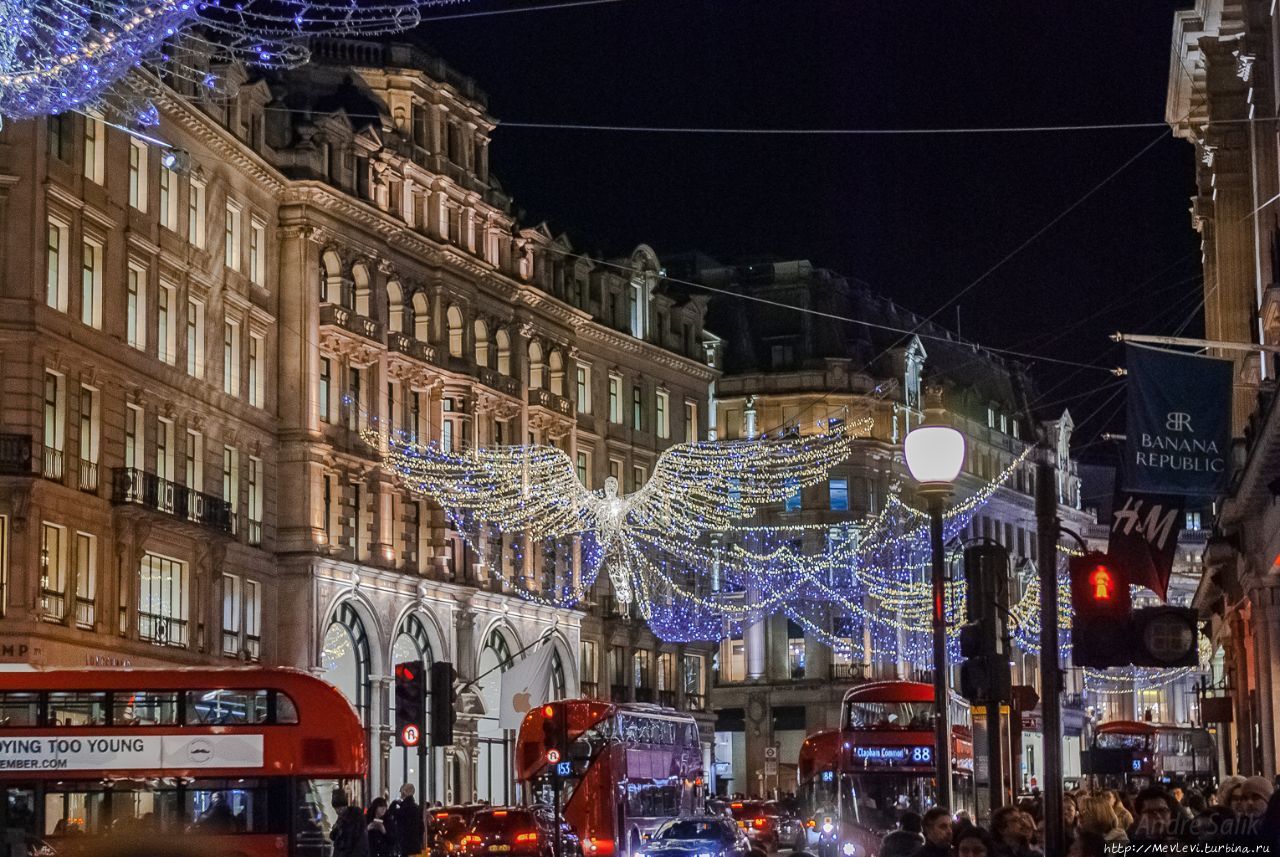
[60,55]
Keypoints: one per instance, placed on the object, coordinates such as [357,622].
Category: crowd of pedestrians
[1241,812]
[395,829]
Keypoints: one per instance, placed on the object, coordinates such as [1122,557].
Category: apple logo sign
[200,750]
[520,702]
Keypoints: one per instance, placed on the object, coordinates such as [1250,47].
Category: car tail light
[526,837]
[471,839]
[759,822]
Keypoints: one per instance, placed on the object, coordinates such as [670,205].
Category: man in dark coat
[407,823]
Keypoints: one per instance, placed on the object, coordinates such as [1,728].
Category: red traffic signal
[555,731]
[1099,587]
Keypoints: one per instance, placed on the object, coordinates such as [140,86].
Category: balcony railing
[546,399]
[340,316]
[849,672]
[86,612]
[52,468]
[89,476]
[129,485]
[400,343]
[15,454]
[53,605]
[495,380]
[162,630]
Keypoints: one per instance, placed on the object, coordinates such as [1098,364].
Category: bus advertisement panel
[856,780]
[236,761]
[628,769]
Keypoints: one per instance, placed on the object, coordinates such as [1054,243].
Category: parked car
[698,836]
[517,832]
[768,825]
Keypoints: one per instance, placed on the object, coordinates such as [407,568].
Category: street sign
[410,735]
[771,768]
[553,757]
[771,753]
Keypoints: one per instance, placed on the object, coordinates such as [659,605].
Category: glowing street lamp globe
[934,454]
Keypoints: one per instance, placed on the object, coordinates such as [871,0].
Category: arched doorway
[411,643]
[345,664]
[494,761]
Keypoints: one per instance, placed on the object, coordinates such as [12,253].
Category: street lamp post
[935,454]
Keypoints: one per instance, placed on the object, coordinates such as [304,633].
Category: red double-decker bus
[236,761]
[628,769]
[856,780]
[1140,752]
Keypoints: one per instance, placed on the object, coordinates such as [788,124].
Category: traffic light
[984,676]
[555,731]
[1166,637]
[410,699]
[444,710]
[1100,628]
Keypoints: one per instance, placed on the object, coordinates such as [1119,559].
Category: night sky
[917,217]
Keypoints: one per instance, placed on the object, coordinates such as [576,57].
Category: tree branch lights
[59,55]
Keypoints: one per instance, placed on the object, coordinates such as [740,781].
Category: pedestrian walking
[407,823]
[350,834]
[381,842]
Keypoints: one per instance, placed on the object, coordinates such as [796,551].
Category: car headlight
[848,849]
[827,827]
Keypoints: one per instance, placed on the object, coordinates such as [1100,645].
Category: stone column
[754,640]
[817,659]
[380,736]
[1266,623]
[1238,679]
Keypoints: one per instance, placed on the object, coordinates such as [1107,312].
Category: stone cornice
[219,140]
[599,333]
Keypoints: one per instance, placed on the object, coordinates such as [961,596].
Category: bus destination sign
[128,752]
[883,756]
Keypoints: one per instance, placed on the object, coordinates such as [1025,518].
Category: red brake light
[736,805]
[526,837]
[500,813]
[471,839]
[759,822]
[442,815]
[548,711]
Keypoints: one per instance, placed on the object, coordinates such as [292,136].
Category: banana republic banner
[1179,423]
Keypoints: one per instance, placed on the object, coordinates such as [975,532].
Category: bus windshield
[1121,741]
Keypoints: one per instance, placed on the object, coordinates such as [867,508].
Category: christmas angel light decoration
[695,489]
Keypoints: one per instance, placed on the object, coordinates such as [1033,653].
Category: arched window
[421,318]
[330,276]
[492,782]
[502,341]
[556,363]
[482,343]
[536,369]
[345,658]
[395,307]
[361,277]
[454,320]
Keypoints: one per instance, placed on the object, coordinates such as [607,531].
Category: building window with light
[637,408]
[166,325]
[258,252]
[196,213]
[615,399]
[59,131]
[138,174]
[95,141]
[86,580]
[231,236]
[636,307]
[168,198]
[57,266]
[164,449]
[195,338]
[91,284]
[325,392]
[690,422]
[231,478]
[164,590]
[54,424]
[584,469]
[134,442]
[257,380]
[637,477]
[136,307]
[793,501]
[255,500]
[90,433]
[53,572]
[838,491]
[231,358]
[584,388]
[662,414]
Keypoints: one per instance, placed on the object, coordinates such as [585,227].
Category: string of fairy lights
[682,550]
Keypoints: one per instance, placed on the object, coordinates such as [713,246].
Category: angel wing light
[695,489]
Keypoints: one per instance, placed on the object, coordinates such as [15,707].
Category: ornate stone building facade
[776,683]
[195,336]
[1225,72]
